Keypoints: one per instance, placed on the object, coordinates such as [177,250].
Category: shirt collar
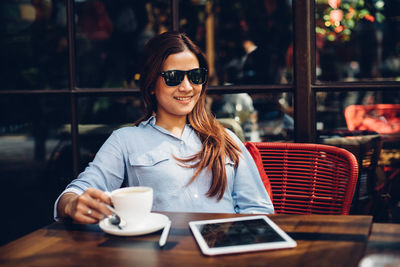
[151,121]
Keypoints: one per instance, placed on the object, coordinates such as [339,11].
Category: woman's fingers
[98,199]
[90,206]
[82,218]
[98,194]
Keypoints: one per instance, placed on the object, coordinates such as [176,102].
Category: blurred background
[69,72]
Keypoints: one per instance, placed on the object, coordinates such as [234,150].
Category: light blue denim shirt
[144,155]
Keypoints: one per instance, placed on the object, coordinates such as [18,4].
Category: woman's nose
[186,85]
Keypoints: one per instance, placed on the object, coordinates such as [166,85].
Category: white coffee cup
[133,204]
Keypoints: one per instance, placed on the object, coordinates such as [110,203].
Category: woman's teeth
[183,98]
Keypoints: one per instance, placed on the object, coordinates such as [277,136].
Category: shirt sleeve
[249,193]
[106,171]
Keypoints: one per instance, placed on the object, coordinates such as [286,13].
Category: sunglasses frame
[185,73]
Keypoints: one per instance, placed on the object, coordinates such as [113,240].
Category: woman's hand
[86,208]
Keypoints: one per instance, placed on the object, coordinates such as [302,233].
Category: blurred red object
[381,118]
[94,21]
[334,3]
[336,16]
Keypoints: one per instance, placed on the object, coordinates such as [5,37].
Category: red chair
[309,178]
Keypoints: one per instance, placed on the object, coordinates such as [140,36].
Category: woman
[192,163]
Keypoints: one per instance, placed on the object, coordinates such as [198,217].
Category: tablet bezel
[287,243]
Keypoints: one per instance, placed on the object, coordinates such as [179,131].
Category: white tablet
[239,234]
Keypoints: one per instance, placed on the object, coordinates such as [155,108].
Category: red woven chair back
[309,178]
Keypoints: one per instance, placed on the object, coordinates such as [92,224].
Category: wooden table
[384,238]
[323,240]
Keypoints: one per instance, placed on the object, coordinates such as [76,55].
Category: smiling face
[176,102]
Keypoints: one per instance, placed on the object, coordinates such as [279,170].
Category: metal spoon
[114,219]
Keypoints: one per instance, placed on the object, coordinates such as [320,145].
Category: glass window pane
[331,108]
[99,116]
[110,35]
[33,164]
[34,47]
[246,41]
[358,40]
[255,117]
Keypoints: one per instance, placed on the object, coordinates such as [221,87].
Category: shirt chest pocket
[148,159]
[150,166]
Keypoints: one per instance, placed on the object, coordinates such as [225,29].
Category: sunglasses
[175,77]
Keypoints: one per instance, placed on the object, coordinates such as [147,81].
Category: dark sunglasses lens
[197,76]
[173,77]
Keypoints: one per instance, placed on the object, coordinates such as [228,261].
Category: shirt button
[196,195]
[182,143]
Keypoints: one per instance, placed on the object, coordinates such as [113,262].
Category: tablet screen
[239,234]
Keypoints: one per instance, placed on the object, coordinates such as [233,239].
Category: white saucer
[153,222]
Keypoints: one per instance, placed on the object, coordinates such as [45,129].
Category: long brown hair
[217,144]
